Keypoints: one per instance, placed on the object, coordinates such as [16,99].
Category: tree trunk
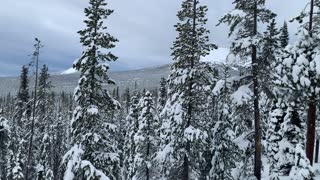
[186,163]
[317,151]
[258,148]
[147,168]
[148,149]
[312,106]
[311,131]
[37,52]
[185,175]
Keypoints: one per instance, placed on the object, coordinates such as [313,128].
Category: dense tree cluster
[250,117]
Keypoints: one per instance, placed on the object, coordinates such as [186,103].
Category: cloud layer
[144,28]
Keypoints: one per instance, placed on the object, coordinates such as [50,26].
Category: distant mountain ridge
[144,78]
[148,78]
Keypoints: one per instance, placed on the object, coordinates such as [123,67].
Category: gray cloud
[144,28]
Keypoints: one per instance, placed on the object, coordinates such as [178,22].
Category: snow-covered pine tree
[294,73]
[30,163]
[162,98]
[43,123]
[44,170]
[155,91]
[183,131]
[267,57]
[127,98]
[302,169]
[284,35]
[146,140]
[94,153]
[299,69]
[132,127]
[21,111]
[225,151]
[45,101]
[274,135]
[4,144]
[17,171]
[290,147]
[59,143]
[120,120]
[18,124]
[243,21]
[269,52]
[60,138]
[7,105]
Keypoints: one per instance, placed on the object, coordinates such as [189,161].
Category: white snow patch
[217,56]
[242,95]
[69,71]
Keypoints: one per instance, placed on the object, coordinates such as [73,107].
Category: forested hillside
[248,113]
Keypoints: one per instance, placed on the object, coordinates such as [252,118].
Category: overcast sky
[144,28]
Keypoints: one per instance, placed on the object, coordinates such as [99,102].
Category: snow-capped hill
[69,71]
[217,56]
[147,78]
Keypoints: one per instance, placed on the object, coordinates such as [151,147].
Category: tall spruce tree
[274,136]
[284,35]
[298,69]
[22,109]
[183,126]
[30,164]
[59,143]
[132,128]
[18,124]
[291,158]
[127,97]
[94,153]
[243,21]
[224,150]
[4,144]
[269,53]
[44,126]
[146,139]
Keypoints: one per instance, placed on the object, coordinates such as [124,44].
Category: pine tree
[146,139]
[30,163]
[94,153]
[293,140]
[162,94]
[17,171]
[225,151]
[44,170]
[284,35]
[59,143]
[274,136]
[243,22]
[270,50]
[267,57]
[120,137]
[127,98]
[298,69]
[22,109]
[4,143]
[183,129]
[302,169]
[132,128]
[43,123]
[18,124]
